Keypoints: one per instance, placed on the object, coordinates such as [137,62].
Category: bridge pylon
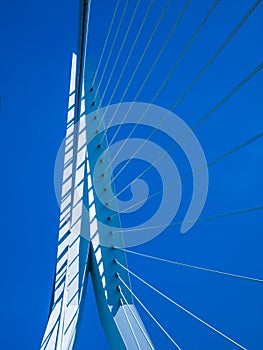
[85,245]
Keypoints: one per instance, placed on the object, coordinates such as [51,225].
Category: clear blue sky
[37,40]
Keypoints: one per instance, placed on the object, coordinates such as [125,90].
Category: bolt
[93,103]
[91,89]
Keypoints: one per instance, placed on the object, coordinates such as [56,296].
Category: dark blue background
[37,40]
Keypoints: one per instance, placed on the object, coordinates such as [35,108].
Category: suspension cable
[187,47]
[195,80]
[213,162]
[150,314]
[128,58]
[144,52]
[205,218]
[212,111]
[111,49]
[152,68]
[119,53]
[193,266]
[180,307]
[232,34]
[106,41]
